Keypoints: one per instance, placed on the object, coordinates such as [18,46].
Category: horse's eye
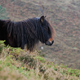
[47,29]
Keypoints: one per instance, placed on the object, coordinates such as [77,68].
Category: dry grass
[16,64]
[64,16]
[7,74]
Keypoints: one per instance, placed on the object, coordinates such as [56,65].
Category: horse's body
[27,32]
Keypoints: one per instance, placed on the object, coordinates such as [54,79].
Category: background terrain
[63,15]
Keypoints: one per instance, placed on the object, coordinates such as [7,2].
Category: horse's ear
[42,18]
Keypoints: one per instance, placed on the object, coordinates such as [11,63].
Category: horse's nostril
[49,43]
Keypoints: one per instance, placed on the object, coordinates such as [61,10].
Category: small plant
[40,58]
[73,72]
[1,46]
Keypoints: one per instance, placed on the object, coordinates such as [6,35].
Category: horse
[27,32]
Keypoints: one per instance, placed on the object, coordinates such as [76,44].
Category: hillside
[64,17]
[16,64]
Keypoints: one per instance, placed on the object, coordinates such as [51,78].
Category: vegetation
[16,64]
[63,15]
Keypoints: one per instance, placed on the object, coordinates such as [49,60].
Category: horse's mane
[18,30]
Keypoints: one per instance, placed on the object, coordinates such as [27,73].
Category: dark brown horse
[28,32]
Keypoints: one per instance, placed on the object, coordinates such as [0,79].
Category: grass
[67,22]
[16,64]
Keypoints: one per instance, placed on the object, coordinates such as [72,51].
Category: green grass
[15,64]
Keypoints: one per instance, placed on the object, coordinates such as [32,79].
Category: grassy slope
[31,66]
[16,64]
[64,16]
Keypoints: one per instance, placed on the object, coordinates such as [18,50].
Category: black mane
[28,32]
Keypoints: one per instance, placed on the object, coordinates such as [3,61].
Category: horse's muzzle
[49,43]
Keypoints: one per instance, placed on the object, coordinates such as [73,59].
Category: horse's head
[47,32]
